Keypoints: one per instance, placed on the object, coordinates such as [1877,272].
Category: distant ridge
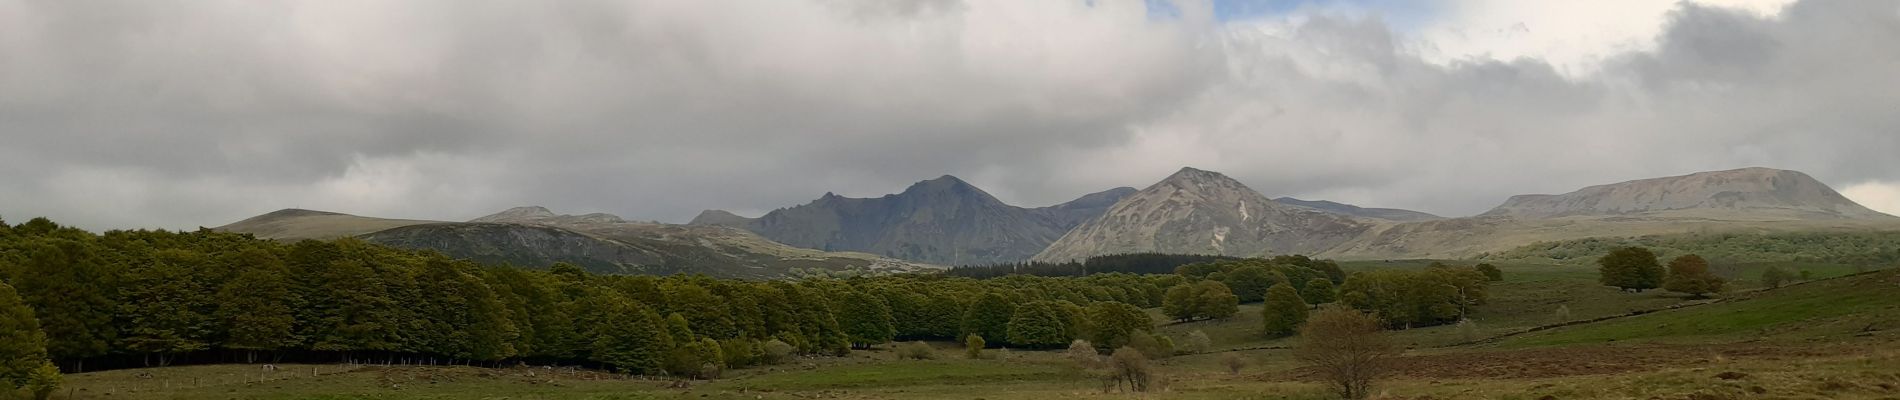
[1739,191]
[942,221]
[1389,214]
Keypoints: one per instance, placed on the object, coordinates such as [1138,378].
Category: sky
[181,114]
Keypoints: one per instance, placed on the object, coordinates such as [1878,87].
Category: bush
[1689,274]
[776,351]
[1562,315]
[1774,277]
[43,381]
[916,351]
[1083,354]
[1468,331]
[1234,362]
[1491,272]
[1346,348]
[1153,346]
[973,347]
[1197,342]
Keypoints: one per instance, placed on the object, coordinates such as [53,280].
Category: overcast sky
[179,114]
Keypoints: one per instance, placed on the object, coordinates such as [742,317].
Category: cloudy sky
[179,114]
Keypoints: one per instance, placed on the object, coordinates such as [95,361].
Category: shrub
[1197,342]
[1346,348]
[1468,331]
[1234,362]
[973,347]
[1491,272]
[1083,354]
[1774,277]
[43,381]
[1689,274]
[1153,346]
[916,351]
[776,351]
[1563,314]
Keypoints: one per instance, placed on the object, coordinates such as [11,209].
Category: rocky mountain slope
[535,237]
[942,221]
[1202,212]
[1389,214]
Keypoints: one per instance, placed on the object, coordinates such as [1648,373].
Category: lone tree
[1690,275]
[1630,269]
[1773,277]
[1347,349]
[1283,311]
[1129,366]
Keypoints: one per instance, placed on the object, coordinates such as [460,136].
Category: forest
[152,298]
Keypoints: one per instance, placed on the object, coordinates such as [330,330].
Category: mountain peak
[941,183]
[720,218]
[1194,174]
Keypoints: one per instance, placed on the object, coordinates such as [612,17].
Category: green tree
[1112,324]
[43,381]
[22,345]
[1249,283]
[1774,277]
[632,339]
[1491,272]
[1038,325]
[1283,312]
[1319,291]
[254,308]
[1346,349]
[1215,301]
[865,319]
[989,316]
[67,286]
[1689,274]
[1630,269]
[165,306]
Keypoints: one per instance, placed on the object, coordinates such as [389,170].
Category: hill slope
[943,221]
[1202,212]
[299,224]
[1747,193]
[1389,214]
[1751,200]
[534,237]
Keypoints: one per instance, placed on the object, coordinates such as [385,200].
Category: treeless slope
[298,224]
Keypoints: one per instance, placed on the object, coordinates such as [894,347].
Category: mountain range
[947,221]
[943,221]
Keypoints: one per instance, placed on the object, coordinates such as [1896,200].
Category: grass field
[1835,338]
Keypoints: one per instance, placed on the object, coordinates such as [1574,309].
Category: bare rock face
[1747,193]
[1202,212]
[941,221]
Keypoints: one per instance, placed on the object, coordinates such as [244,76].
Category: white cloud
[1880,196]
[1575,36]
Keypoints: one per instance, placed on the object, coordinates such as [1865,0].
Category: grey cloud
[180,114]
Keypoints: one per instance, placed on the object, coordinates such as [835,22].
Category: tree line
[153,298]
